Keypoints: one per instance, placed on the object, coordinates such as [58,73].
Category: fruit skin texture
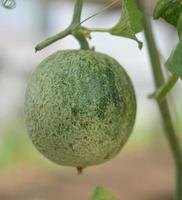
[80,107]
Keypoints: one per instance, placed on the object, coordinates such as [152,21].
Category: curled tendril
[8,4]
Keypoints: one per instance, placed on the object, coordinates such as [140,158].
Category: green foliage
[130,22]
[101,193]
[174,63]
[11,148]
[179,25]
[8,4]
[14,145]
[169,10]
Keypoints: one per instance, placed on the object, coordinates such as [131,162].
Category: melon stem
[75,29]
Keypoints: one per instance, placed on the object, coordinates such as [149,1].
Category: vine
[171,135]
[81,33]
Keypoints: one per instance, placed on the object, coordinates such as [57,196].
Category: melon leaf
[169,10]
[130,22]
[179,25]
[174,63]
[101,193]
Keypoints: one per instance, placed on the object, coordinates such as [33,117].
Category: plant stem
[77,12]
[76,25]
[52,39]
[161,93]
[73,29]
[163,106]
[82,41]
[101,11]
[105,30]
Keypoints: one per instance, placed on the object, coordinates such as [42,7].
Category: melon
[80,108]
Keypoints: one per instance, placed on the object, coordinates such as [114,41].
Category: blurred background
[144,168]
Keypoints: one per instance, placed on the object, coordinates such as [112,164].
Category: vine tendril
[101,11]
[8,4]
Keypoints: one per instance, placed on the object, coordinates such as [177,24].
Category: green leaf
[169,10]
[130,22]
[174,63]
[179,25]
[101,193]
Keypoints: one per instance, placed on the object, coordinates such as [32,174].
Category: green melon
[80,108]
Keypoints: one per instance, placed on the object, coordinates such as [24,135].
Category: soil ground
[131,176]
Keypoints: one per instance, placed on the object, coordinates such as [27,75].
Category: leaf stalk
[162,92]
